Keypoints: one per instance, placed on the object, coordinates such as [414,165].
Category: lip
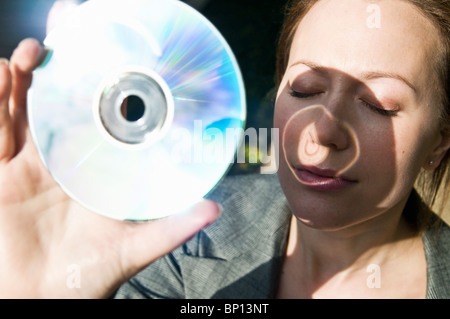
[322,179]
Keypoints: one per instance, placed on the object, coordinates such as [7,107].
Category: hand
[43,233]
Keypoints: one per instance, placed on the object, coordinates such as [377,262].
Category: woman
[362,108]
[384,78]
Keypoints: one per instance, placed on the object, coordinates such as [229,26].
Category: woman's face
[356,111]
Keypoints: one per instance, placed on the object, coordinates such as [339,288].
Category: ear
[435,158]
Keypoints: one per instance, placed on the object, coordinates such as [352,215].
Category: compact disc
[139,108]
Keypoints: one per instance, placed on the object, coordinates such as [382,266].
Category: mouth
[322,179]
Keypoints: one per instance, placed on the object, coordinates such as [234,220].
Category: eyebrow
[371,75]
[377,75]
[313,66]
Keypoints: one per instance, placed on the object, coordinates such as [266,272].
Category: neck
[324,255]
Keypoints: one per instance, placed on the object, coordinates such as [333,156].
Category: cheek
[414,145]
[282,112]
[378,163]
[391,160]
[378,147]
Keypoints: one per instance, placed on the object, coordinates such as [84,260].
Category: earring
[431,163]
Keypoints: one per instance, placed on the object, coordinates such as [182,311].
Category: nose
[331,132]
[318,134]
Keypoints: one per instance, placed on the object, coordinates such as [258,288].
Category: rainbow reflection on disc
[131,112]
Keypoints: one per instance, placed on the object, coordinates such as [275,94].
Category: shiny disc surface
[139,108]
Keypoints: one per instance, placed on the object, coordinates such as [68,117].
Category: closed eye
[375,108]
[380,110]
[301,95]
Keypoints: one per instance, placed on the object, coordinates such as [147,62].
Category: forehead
[357,36]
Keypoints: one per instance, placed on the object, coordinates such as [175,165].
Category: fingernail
[45,57]
[4,61]
[220,208]
[218,215]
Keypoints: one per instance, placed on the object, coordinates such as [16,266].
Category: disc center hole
[132,108]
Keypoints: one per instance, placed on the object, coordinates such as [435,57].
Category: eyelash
[301,95]
[381,111]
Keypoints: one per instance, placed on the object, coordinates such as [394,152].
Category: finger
[155,239]
[6,132]
[25,58]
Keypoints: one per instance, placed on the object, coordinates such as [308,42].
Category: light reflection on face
[301,130]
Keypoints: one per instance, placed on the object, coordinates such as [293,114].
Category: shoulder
[251,185]
[436,241]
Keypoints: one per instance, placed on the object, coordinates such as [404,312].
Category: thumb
[149,241]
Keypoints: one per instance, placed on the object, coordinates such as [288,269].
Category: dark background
[250,27]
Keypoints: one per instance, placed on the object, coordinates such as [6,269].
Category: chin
[324,220]
[336,210]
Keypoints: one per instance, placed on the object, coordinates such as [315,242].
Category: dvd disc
[139,109]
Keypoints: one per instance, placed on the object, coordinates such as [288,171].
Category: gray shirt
[240,255]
